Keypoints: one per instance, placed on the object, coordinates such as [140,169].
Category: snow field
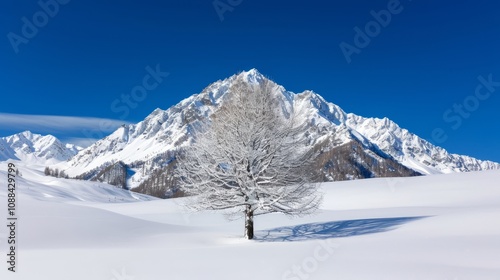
[432,227]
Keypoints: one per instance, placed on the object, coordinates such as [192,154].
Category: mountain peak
[252,71]
[252,76]
[28,134]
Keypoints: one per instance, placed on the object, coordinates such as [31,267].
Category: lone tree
[250,158]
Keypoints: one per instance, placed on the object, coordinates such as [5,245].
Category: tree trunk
[248,223]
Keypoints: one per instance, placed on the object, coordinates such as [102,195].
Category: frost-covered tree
[250,158]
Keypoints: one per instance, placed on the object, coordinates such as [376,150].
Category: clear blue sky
[414,70]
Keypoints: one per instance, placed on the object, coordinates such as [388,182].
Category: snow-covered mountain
[352,146]
[36,149]
[413,151]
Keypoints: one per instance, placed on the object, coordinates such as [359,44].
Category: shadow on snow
[332,229]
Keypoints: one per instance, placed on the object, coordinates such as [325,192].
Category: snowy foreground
[433,227]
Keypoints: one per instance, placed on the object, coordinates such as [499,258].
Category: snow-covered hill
[439,227]
[36,149]
[384,148]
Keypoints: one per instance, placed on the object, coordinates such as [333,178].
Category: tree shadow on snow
[332,229]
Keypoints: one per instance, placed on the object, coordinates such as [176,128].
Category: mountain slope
[413,151]
[35,148]
[381,148]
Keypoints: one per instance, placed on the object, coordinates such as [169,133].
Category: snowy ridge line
[413,151]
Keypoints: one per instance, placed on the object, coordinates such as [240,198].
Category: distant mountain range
[36,149]
[142,156]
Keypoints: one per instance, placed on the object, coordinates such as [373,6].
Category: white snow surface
[431,227]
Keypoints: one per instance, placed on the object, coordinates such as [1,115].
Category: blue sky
[432,67]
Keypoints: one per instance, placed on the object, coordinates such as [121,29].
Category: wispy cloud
[83,142]
[68,127]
